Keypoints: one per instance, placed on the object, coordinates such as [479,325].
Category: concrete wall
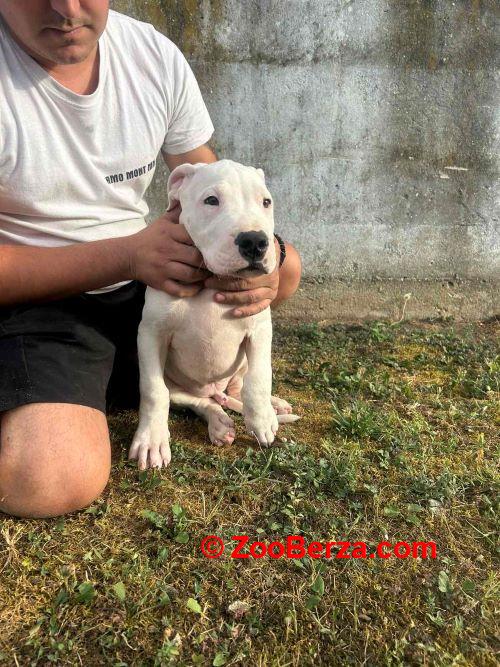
[376,122]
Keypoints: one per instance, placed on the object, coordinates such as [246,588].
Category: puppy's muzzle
[252,245]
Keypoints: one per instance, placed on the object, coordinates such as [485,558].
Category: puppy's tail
[287,418]
[237,406]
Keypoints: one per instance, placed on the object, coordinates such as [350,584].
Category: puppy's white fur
[191,351]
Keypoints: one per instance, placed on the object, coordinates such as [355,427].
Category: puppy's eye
[267,203]
[211,201]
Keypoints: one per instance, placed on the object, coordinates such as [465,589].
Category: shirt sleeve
[190,125]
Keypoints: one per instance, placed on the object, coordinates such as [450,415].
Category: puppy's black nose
[252,245]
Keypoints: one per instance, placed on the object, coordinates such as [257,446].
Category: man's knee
[54,459]
[34,491]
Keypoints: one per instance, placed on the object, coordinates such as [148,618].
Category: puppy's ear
[261,174]
[177,179]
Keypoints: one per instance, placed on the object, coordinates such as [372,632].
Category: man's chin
[69,55]
[48,59]
[69,52]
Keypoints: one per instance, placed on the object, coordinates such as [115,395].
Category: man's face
[59,32]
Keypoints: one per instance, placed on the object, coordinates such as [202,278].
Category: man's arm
[201,154]
[31,273]
[161,256]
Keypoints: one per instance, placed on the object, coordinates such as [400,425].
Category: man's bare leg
[54,458]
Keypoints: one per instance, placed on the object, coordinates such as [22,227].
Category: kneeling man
[88,99]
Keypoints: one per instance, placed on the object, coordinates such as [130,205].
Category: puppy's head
[228,212]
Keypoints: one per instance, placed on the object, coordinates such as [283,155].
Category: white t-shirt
[75,168]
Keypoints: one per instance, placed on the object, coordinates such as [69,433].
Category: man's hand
[250,295]
[164,257]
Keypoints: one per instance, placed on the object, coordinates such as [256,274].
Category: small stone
[238,608]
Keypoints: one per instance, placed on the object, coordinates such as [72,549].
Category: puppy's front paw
[262,424]
[151,445]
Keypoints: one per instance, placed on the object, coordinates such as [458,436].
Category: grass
[398,440]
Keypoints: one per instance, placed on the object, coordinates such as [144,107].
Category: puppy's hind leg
[281,407]
[221,428]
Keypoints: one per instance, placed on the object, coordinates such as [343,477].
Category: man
[88,98]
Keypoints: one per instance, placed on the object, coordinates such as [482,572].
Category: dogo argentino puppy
[191,352]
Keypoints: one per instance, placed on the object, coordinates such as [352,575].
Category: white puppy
[191,351]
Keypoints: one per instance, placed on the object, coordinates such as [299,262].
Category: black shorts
[80,350]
